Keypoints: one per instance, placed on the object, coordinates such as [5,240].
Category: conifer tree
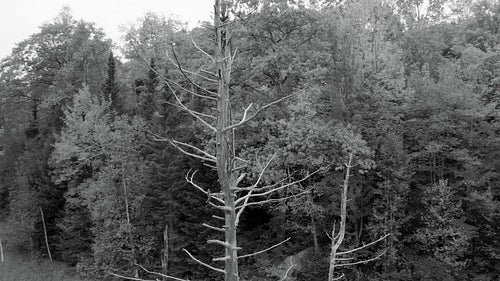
[152,81]
[147,97]
[110,87]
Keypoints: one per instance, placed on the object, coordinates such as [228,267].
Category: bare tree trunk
[359,231]
[129,224]
[341,258]
[337,241]
[315,235]
[32,247]
[224,139]
[45,234]
[313,220]
[1,251]
[164,261]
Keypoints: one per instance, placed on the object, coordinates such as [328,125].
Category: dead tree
[1,251]
[45,234]
[343,258]
[231,199]
[127,213]
[164,259]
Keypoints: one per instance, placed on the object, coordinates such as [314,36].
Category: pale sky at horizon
[21,18]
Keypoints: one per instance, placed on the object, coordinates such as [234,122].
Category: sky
[21,18]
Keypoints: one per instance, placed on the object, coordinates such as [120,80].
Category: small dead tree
[343,258]
[45,234]
[127,213]
[1,251]
[164,259]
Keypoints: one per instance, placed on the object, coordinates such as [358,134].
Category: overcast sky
[20,18]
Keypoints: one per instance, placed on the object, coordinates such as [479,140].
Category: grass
[20,267]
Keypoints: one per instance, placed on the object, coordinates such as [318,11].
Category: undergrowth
[20,267]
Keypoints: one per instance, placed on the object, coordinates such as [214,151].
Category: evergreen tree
[110,87]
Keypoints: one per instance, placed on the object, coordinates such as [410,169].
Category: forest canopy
[111,155]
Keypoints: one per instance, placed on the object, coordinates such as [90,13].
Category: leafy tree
[94,146]
[410,85]
[444,232]
[39,79]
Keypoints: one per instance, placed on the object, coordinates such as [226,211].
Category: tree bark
[224,139]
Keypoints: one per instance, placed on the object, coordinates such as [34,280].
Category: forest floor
[19,266]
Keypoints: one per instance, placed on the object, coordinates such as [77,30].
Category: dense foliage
[411,87]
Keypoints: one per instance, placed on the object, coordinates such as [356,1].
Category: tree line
[114,164]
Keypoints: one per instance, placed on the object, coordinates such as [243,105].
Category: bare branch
[179,66]
[263,170]
[289,268]
[251,195]
[225,258]
[275,200]
[213,227]
[252,188]
[247,197]
[241,177]
[201,76]
[245,111]
[217,217]
[188,90]
[160,274]
[262,191]
[245,119]
[243,206]
[220,207]
[339,278]
[190,180]
[202,51]
[364,246]
[210,166]
[344,259]
[204,264]
[273,186]
[328,235]
[234,55]
[132,278]
[265,250]
[219,242]
[208,155]
[196,112]
[333,236]
[190,111]
[168,81]
[208,72]
[363,261]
